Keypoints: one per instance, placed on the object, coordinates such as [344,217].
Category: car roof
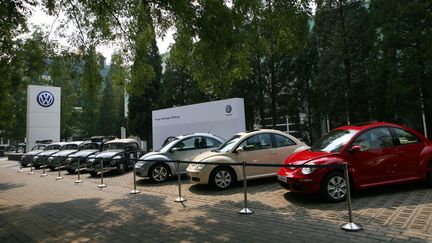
[57,143]
[259,131]
[199,134]
[367,125]
[124,140]
[74,142]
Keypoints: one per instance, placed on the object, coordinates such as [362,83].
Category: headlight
[68,160]
[139,164]
[35,158]
[199,166]
[51,158]
[308,170]
[117,157]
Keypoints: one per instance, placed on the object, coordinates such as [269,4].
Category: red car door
[375,163]
[408,152]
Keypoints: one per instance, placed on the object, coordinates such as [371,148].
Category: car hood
[306,156]
[206,155]
[84,153]
[33,152]
[108,154]
[65,152]
[151,154]
[48,152]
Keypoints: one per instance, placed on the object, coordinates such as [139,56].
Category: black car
[118,154]
[26,159]
[58,159]
[41,158]
[85,150]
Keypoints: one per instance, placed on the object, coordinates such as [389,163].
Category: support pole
[102,185]
[31,167]
[245,210]
[43,172]
[79,168]
[179,199]
[59,177]
[134,191]
[351,226]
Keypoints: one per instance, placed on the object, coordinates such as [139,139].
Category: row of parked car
[377,154]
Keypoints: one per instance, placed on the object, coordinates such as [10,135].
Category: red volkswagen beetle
[377,154]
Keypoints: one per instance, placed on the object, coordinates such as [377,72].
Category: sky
[39,18]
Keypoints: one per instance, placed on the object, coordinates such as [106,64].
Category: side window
[257,142]
[282,141]
[209,142]
[188,144]
[405,137]
[374,139]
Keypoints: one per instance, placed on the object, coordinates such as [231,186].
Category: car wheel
[121,168]
[159,172]
[222,178]
[52,168]
[70,171]
[37,166]
[333,187]
[93,173]
[24,165]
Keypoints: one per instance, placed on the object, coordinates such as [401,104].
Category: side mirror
[356,148]
[239,150]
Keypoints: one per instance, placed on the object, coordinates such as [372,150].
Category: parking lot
[42,209]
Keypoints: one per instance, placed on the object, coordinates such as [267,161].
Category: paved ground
[41,209]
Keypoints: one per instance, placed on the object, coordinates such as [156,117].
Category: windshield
[39,147]
[114,146]
[89,146]
[333,141]
[165,148]
[70,147]
[52,147]
[228,145]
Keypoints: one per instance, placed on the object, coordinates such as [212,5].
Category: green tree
[111,111]
[64,72]
[90,84]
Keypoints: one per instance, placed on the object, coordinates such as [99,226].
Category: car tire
[51,168]
[121,167]
[159,172]
[93,173]
[222,178]
[334,187]
[71,171]
[37,166]
[24,165]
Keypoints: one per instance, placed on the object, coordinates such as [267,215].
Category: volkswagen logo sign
[45,99]
[228,109]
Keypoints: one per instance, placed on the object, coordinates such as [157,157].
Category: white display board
[43,114]
[223,118]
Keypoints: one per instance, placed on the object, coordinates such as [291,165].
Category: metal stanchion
[245,210]
[79,168]
[43,172]
[179,198]
[31,168]
[102,185]
[351,226]
[134,191]
[59,177]
[20,169]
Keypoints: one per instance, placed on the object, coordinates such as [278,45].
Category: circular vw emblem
[228,109]
[45,99]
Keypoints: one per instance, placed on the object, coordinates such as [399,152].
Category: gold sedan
[263,146]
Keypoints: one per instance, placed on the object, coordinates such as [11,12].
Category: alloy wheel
[159,173]
[336,187]
[223,179]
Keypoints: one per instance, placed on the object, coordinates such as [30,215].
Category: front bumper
[199,176]
[299,184]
